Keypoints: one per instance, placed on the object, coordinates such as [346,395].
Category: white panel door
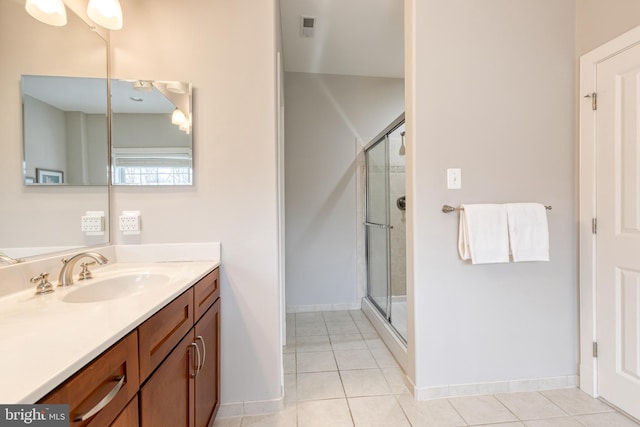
[618,237]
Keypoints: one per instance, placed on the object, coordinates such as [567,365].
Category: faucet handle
[43,285]
[85,273]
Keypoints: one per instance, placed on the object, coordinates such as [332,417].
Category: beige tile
[530,405]
[319,385]
[342,328]
[289,362]
[313,343]
[286,418]
[384,358]
[313,316]
[290,347]
[290,394]
[364,382]
[227,422]
[375,342]
[377,411]
[610,419]
[430,413]
[348,342]
[515,424]
[396,379]
[355,359]
[358,315]
[305,329]
[554,422]
[574,401]
[324,413]
[366,328]
[482,410]
[337,316]
[319,361]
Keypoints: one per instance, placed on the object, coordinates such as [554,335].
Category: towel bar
[448,209]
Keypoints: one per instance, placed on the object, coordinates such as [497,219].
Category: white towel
[483,234]
[528,232]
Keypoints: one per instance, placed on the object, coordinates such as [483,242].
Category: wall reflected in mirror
[65,130]
[151,138]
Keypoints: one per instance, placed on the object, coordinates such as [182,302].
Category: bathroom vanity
[137,345]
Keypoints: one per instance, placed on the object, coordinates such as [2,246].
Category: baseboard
[536,384]
[258,407]
[322,307]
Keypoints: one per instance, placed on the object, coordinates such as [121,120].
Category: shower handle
[373,224]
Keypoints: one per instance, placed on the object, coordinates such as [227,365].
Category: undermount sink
[115,287]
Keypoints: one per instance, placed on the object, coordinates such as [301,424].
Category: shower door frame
[382,137]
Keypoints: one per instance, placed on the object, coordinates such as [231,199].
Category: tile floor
[338,373]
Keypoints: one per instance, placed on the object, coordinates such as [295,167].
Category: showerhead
[401,152]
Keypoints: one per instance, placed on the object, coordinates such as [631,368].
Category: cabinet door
[129,415]
[166,398]
[207,332]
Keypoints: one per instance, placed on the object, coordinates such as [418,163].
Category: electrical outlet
[130,222]
[93,223]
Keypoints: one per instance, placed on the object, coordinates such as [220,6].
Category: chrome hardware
[66,273]
[197,370]
[43,286]
[9,260]
[204,350]
[401,203]
[448,209]
[373,224]
[85,274]
[103,402]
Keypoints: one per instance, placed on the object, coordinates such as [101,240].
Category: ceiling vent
[307,26]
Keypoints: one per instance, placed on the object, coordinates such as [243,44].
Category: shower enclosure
[385,233]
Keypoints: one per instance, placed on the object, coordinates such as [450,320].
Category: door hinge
[595,349]
[594,225]
[594,100]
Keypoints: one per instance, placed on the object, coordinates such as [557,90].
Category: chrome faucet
[9,260]
[66,273]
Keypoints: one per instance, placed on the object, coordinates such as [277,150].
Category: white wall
[490,89]
[45,137]
[325,114]
[226,48]
[146,130]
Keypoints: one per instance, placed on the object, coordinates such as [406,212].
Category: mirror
[36,220]
[65,130]
[151,140]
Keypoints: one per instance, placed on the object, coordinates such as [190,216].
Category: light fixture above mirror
[50,12]
[106,13]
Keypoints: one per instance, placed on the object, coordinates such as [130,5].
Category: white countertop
[44,340]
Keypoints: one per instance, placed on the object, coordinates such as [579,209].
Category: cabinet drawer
[206,292]
[103,388]
[160,334]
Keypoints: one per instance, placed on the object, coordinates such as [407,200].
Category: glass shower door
[377,226]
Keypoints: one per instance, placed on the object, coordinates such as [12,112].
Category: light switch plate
[454,178]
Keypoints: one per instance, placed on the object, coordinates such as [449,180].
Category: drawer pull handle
[204,351]
[197,369]
[104,402]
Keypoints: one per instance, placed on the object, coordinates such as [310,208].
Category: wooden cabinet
[183,386]
[99,392]
[164,373]
[207,384]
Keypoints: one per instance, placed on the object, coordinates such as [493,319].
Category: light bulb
[50,12]
[178,117]
[106,13]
